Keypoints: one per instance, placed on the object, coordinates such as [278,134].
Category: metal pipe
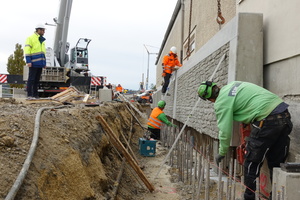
[16,186]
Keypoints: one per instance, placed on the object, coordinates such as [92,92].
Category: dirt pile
[73,159]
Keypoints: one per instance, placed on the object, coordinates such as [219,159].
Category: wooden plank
[116,142]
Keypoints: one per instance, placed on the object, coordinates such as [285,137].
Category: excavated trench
[74,158]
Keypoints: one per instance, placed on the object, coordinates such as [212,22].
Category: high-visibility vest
[153,120]
[35,50]
[169,62]
[119,89]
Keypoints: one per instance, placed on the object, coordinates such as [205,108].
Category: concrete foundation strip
[116,142]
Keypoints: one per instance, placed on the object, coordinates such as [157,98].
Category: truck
[62,70]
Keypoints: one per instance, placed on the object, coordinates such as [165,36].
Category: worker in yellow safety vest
[35,52]
[156,119]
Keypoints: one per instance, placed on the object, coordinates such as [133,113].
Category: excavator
[61,69]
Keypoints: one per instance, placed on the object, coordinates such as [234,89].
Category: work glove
[176,68]
[173,125]
[219,158]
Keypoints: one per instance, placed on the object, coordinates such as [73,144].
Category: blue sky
[118,29]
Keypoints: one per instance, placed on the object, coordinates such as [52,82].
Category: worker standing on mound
[157,117]
[35,55]
[170,61]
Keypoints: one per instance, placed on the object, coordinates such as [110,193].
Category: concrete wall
[202,24]
[242,46]
[281,55]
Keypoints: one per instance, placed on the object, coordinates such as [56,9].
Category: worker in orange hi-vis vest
[170,64]
[156,119]
[119,88]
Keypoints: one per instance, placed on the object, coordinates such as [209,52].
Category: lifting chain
[220,19]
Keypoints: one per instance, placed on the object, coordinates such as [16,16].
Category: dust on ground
[74,158]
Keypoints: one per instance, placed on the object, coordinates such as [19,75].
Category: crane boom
[62,27]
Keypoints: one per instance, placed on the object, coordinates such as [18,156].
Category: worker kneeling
[157,117]
[266,112]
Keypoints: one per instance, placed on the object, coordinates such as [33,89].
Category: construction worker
[119,88]
[170,64]
[157,117]
[35,51]
[266,112]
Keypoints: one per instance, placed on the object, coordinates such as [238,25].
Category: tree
[15,64]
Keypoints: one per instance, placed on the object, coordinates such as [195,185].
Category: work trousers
[33,81]
[166,83]
[269,139]
[155,133]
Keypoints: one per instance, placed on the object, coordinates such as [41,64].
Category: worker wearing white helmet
[35,51]
[170,61]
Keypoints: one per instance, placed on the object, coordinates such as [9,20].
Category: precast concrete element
[241,40]
[285,185]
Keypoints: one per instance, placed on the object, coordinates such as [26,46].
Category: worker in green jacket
[266,112]
[156,119]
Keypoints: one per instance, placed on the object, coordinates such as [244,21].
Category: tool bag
[245,130]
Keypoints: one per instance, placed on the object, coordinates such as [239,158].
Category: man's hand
[173,125]
[176,68]
[29,65]
[219,158]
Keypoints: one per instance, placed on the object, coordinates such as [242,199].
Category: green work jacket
[243,102]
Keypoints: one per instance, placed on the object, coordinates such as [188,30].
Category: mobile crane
[61,71]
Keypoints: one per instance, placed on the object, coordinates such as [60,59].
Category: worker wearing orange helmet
[170,61]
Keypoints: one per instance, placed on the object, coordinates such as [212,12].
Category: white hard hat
[173,49]
[40,25]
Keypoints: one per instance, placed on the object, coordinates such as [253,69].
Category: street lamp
[147,78]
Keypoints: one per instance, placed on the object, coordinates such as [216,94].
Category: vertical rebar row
[195,175]
[207,179]
[257,189]
[273,191]
[282,192]
[191,159]
[220,182]
[234,179]
[243,186]
[229,181]
[181,169]
[201,169]
[179,158]
[187,155]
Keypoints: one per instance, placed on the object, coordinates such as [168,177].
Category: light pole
[147,78]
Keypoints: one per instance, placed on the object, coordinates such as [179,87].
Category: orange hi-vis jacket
[153,120]
[169,62]
[119,89]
